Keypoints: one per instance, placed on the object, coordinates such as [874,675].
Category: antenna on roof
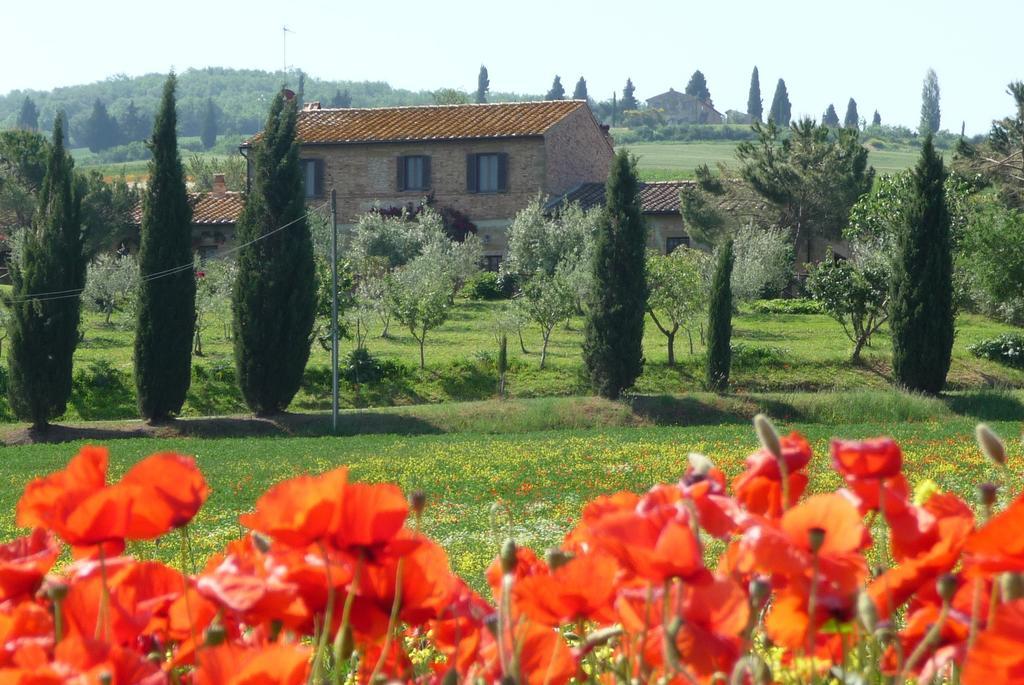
[284,50]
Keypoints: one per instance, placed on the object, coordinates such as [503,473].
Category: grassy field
[672,160]
[774,353]
[539,480]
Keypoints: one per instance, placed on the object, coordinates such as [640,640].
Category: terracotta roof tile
[209,209]
[660,197]
[434,122]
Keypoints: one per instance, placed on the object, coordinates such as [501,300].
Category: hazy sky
[873,50]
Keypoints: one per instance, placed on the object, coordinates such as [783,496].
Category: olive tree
[419,296]
[678,293]
[548,301]
[764,262]
[111,284]
[214,281]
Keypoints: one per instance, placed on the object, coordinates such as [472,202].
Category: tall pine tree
[719,357]
[628,99]
[613,343]
[166,316]
[274,300]
[781,111]
[557,92]
[921,320]
[698,87]
[101,130]
[28,117]
[754,106]
[876,120]
[208,133]
[483,85]
[852,119]
[44,330]
[580,93]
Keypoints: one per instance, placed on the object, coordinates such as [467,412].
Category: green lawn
[669,160]
[541,479]
[775,353]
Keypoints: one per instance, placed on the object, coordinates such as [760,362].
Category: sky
[876,51]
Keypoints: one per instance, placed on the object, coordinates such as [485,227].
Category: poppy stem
[325,630]
[346,614]
[926,643]
[784,472]
[58,621]
[641,665]
[812,609]
[392,621]
[102,629]
[188,602]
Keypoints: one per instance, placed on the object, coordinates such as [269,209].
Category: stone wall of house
[661,227]
[365,175]
[578,151]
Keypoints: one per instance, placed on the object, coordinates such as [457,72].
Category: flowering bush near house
[335,582]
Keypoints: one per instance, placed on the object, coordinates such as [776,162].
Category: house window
[492,262]
[414,172]
[312,176]
[487,173]
[672,243]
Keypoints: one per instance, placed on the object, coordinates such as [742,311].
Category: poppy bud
[987,493]
[758,590]
[508,556]
[155,657]
[946,587]
[750,669]
[815,539]
[885,635]
[1012,586]
[451,677]
[768,436]
[214,635]
[343,645]
[260,542]
[105,678]
[867,612]
[57,591]
[418,500]
[990,443]
[557,558]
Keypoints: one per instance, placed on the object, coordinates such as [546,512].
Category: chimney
[219,186]
[311,106]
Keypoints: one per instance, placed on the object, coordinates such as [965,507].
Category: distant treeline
[241,98]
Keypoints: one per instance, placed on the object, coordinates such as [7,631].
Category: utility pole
[334,313]
[284,51]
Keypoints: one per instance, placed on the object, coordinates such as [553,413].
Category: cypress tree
[931,115]
[208,134]
[341,100]
[628,99]
[922,283]
[557,92]
[852,119]
[613,343]
[28,117]
[719,357]
[781,111]
[876,120]
[580,93]
[44,330]
[483,85]
[166,316]
[830,118]
[101,129]
[698,87]
[754,107]
[274,300]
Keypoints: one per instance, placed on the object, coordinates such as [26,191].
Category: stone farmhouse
[214,215]
[485,161]
[680,108]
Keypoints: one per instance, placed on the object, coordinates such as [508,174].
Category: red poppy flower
[874,459]
[544,658]
[300,511]
[582,589]
[76,503]
[759,487]
[24,562]
[23,625]
[527,564]
[998,545]
[168,490]
[371,516]
[275,664]
[996,656]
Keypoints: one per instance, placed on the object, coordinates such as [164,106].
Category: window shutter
[426,172]
[400,165]
[318,174]
[502,172]
[471,184]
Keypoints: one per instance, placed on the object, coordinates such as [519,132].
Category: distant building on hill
[734,116]
[680,108]
[484,162]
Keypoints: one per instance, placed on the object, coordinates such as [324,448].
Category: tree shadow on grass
[986,405]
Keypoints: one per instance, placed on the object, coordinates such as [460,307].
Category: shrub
[1006,349]
[486,285]
[796,305]
[753,356]
[362,367]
